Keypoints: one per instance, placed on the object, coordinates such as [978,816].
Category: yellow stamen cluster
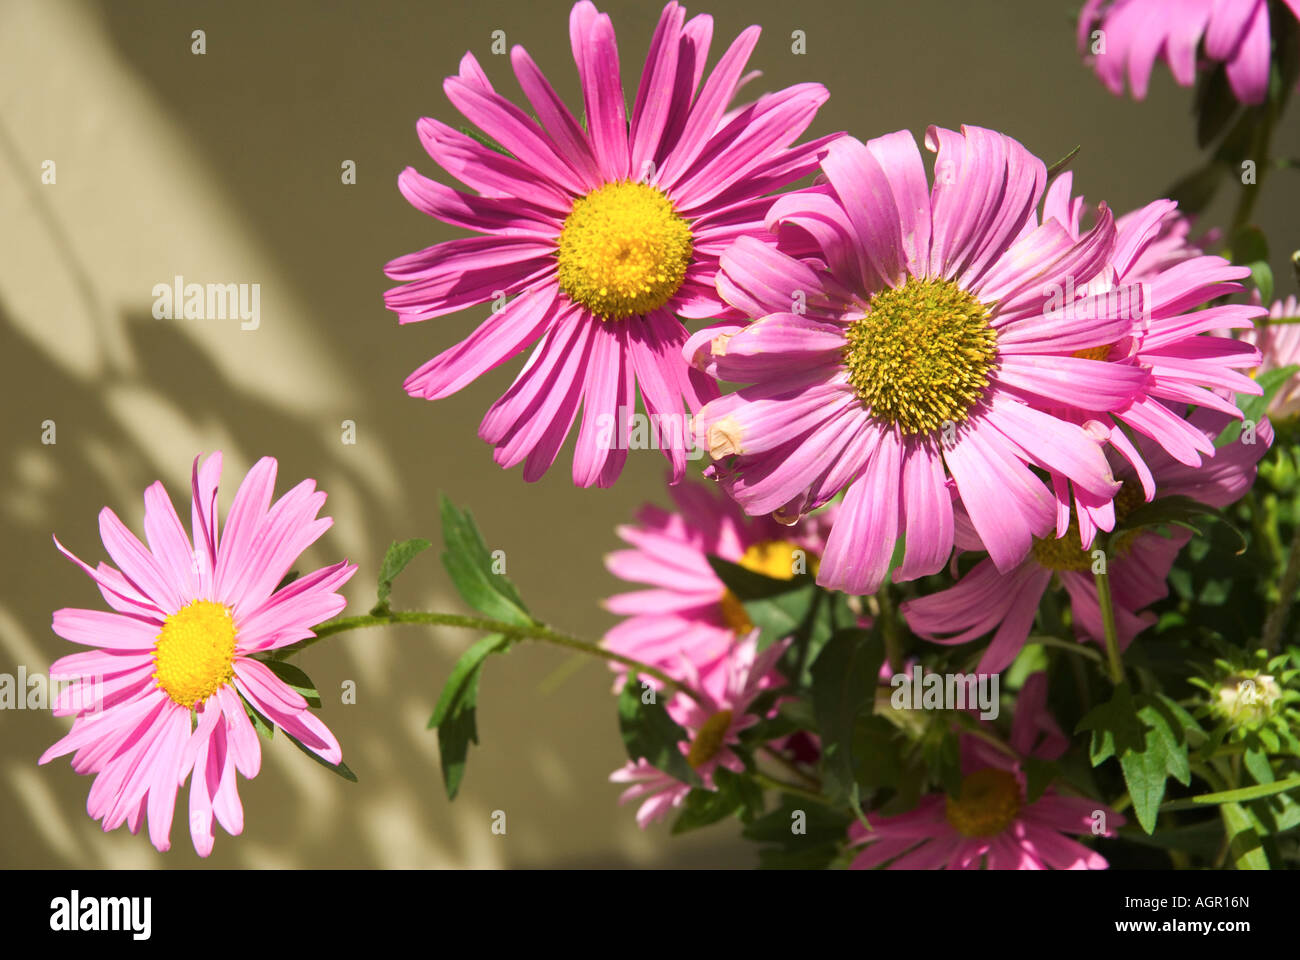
[709,740]
[987,804]
[1094,353]
[778,559]
[623,250]
[922,355]
[1065,553]
[195,652]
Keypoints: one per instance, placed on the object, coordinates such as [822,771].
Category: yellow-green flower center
[623,250]
[989,800]
[778,559]
[922,355]
[1065,553]
[195,652]
[709,740]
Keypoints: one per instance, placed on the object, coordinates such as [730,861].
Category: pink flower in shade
[1280,347]
[1138,32]
[916,361]
[603,235]
[181,650]
[990,824]
[1162,282]
[714,724]
[687,615]
[1005,602]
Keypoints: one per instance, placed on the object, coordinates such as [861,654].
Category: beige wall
[225,167]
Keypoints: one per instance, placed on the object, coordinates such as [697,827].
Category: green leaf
[1261,274]
[876,753]
[1114,725]
[1060,165]
[1177,511]
[1248,245]
[262,725]
[735,793]
[1145,772]
[455,716]
[1244,845]
[748,585]
[470,662]
[484,139]
[1254,408]
[1039,774]
[294,678]
[470,565]
[799,835]
[1216,105]
[844,679]
[400,553]
[456,732]
[1148,738]
[649,733]
[340,768]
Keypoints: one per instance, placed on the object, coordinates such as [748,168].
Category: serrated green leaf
[459,728]
[469,564]
[398,555]
[1114,724]
[1163,755]
[455,716]
[469,663]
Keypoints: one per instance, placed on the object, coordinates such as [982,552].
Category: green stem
[1286,594]
[772,783]
[1114,664]
[535,631]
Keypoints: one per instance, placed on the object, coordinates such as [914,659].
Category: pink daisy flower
[990,824]
[603,235]
[180,651]
[714,724]
[987,599]
[1138,32]
[911,357]
[687,614]
[1280,347]
[1162,282]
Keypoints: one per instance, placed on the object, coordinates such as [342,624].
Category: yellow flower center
[1065,553]
[709,740]
[778,559]
[922,355]
[623,250]
[989,800]
[1094,353]
[195,652]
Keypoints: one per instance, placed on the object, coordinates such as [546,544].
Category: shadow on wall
[154,181]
